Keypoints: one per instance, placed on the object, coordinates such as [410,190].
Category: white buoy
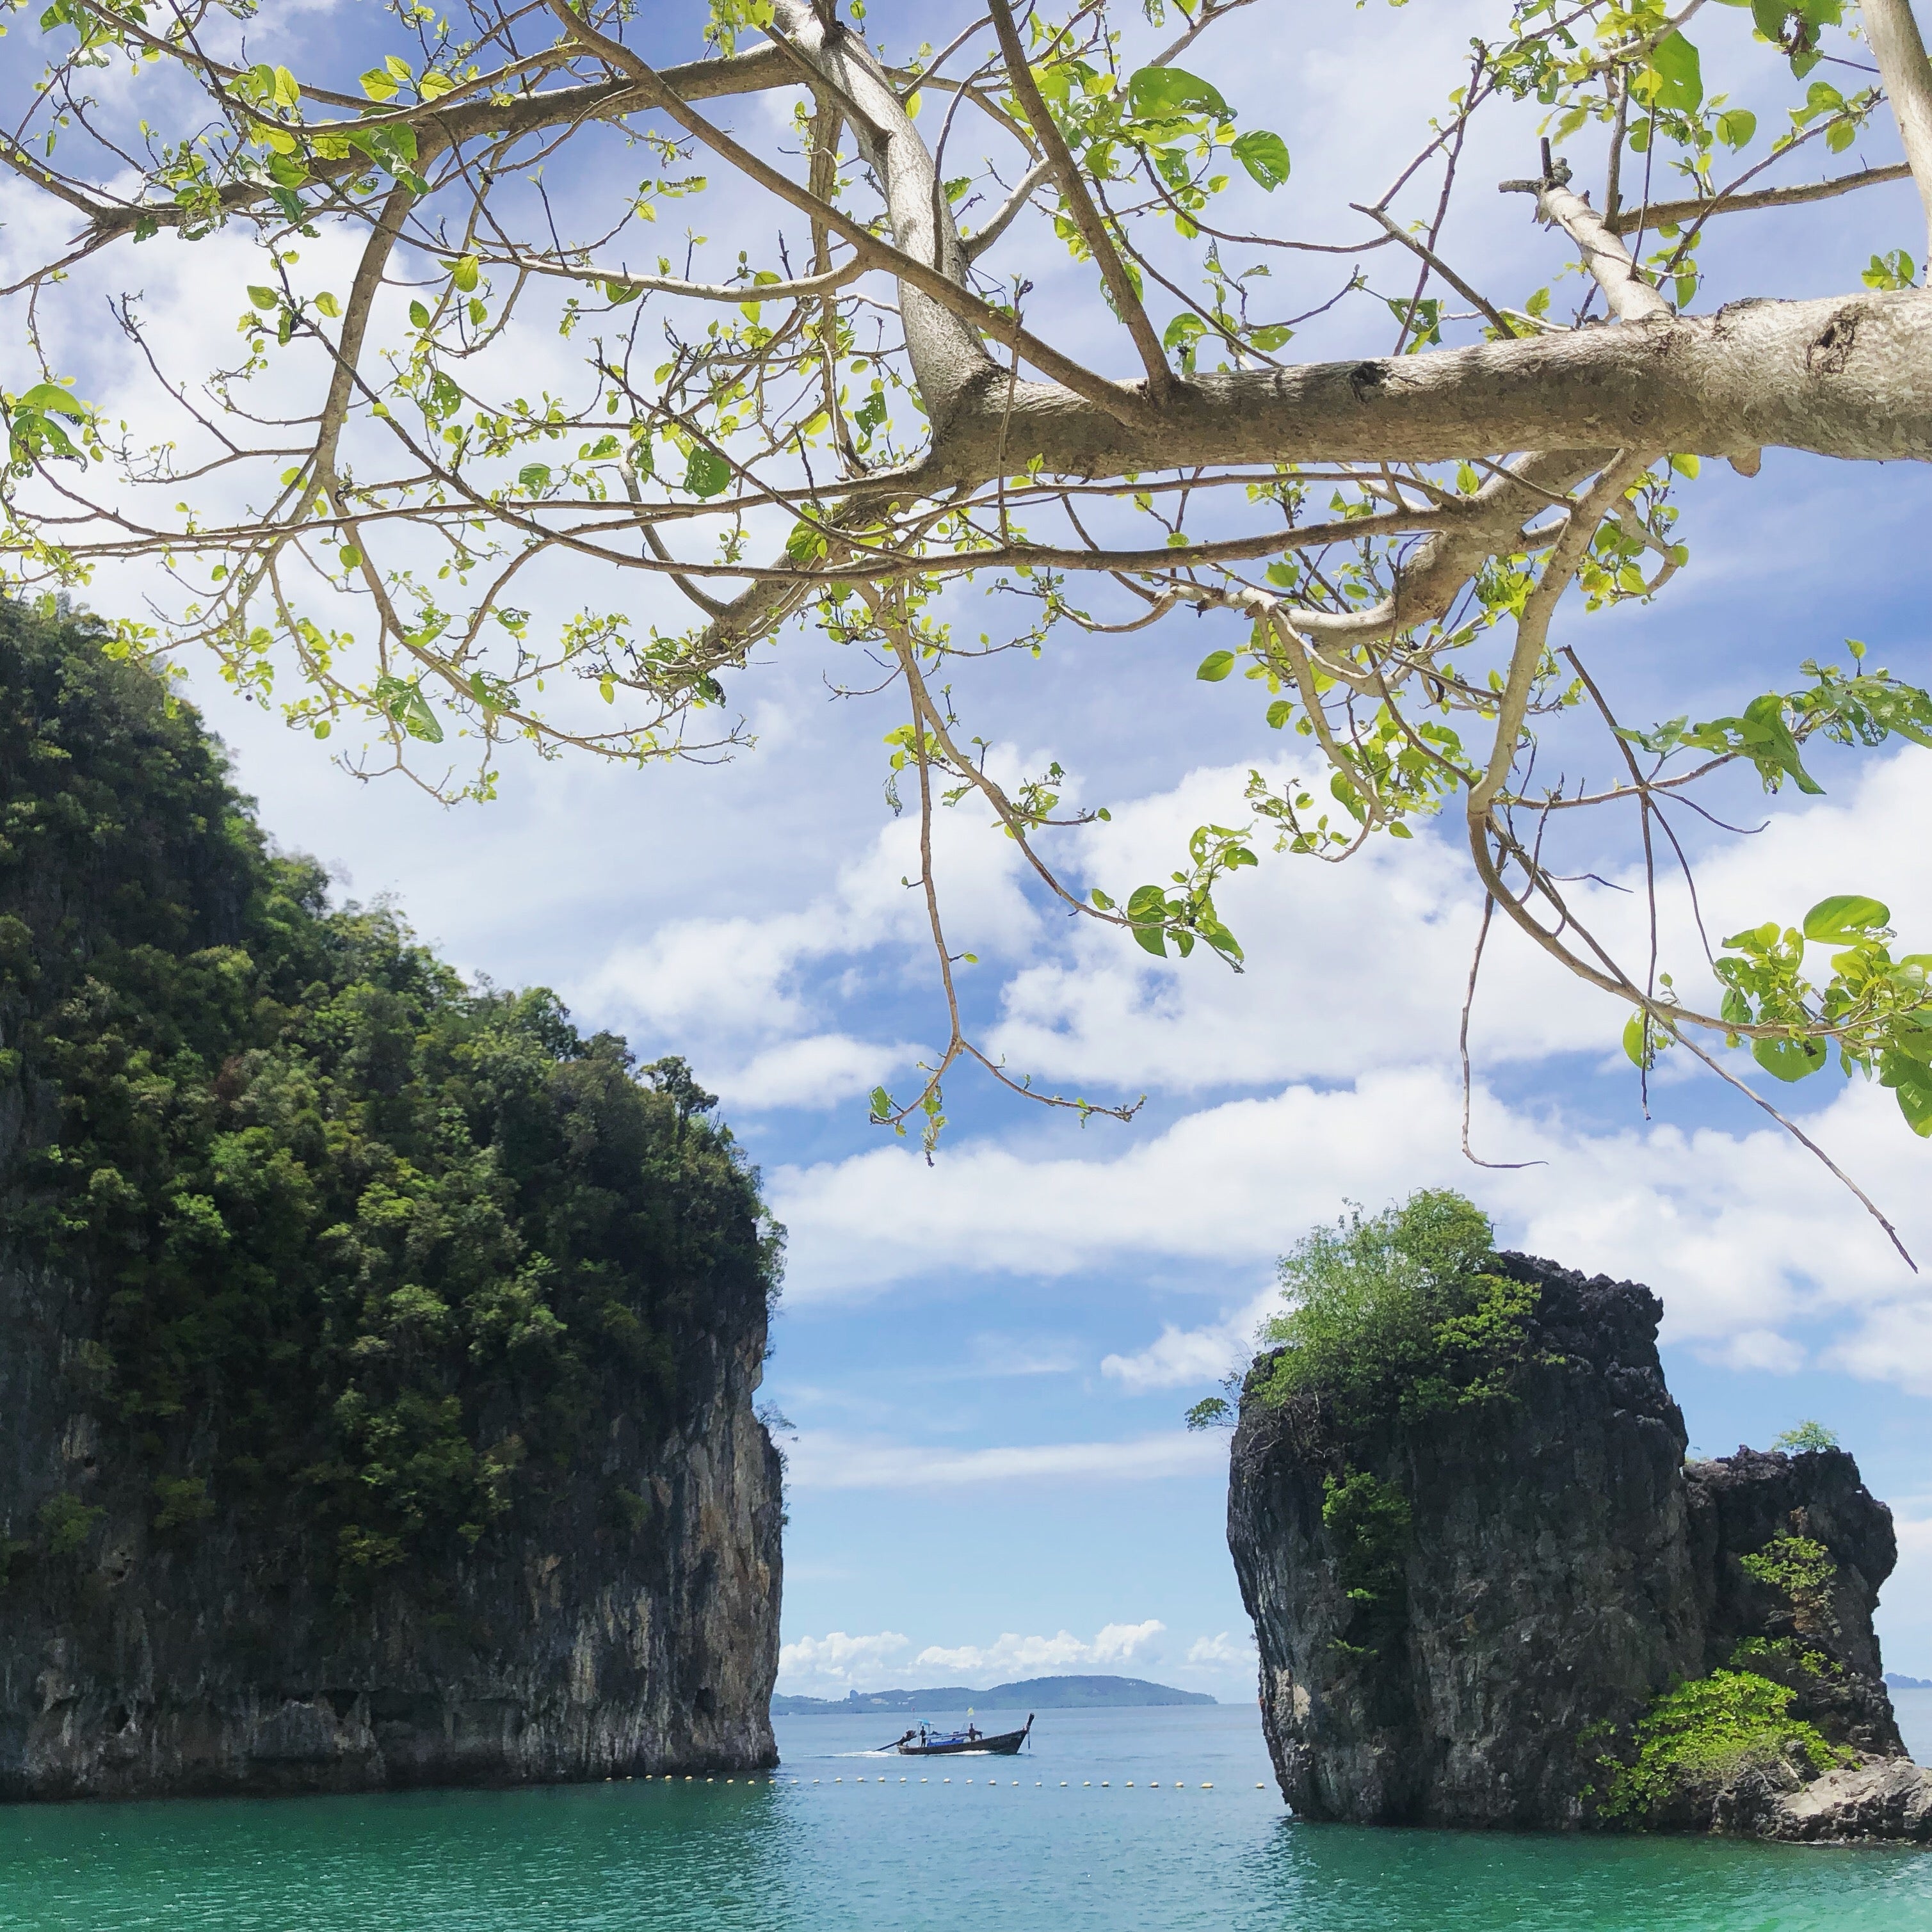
[947,1780]
[1207,1787]
[1130,1784]
[1154,1786]
[1103,1784]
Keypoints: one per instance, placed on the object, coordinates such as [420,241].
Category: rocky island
[1490,1590]
[377,1353]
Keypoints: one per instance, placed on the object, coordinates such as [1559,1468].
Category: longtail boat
[925,1743]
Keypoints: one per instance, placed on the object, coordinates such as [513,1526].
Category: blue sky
[985,1363]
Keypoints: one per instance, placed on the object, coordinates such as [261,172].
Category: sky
[980,1367]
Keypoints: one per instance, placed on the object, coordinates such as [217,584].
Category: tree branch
[1900,50]
[1676,213]
[1072,186]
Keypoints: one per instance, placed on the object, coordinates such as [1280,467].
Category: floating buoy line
[991,1784]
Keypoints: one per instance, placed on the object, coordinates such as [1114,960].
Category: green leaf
[882,1104]
[1675,61]
[378,84]
[325,303]
[1685,466]
[1789,1059]
[404,703]
[463,273]
[707,475]
[47,398]
[1736,126]
[1769,16]
[1893,271]
[1263,155]
[1768,742]
[1168,93]
[1214,666]
[419,316]
[1641,1051]
[1151,939]
[1845,915]
[263,297]
[535,477]
[1912,1084]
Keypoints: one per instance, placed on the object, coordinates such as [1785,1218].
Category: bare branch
[1072,186]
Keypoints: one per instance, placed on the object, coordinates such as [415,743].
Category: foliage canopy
[370,1254]
[1398,1314]
[481,407]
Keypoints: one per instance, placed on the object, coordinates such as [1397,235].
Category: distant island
[1899,1682]
[1031,1694]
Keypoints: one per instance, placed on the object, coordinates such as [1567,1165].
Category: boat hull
[1007,1744]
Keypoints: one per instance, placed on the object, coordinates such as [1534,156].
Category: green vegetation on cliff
[1398,1313]
[373,1250]
[1708,1733]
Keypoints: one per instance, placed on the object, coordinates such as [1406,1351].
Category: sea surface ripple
[1111,1823]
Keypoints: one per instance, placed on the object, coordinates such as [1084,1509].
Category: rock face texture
[141,1666]
[377,1352]
[1562,1566]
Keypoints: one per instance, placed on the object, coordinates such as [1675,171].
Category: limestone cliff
[377,1354]
[1556,1590]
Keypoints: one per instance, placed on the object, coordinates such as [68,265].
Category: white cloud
[1364,964]
[1224,1649]
[1183,1357]
[822,1460]
[1744,1235]
[1013,1656]
[817,1071]
[835,1663]
[809,1665]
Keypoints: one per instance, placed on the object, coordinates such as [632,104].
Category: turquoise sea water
[1131,1841]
